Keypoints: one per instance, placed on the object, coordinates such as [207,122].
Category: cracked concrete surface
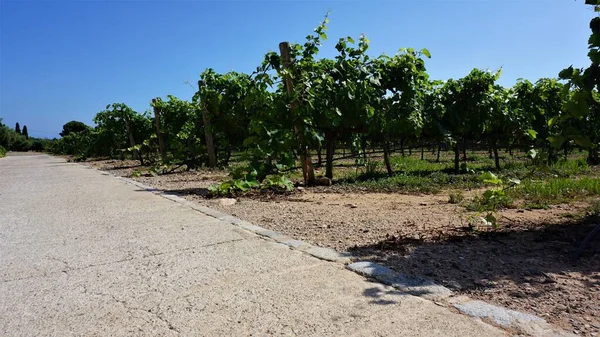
[84,254]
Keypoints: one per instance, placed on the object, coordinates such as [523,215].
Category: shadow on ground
[383,296]
[472,257]
[201,191]
[527,269]
[124,167]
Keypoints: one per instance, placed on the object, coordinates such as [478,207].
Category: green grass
[571,167]
[565,180]
[556,190]
[2,152]
[411,175]
[399,182]
[414,165]
[427,176]
[483,163]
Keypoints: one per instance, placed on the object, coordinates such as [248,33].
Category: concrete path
[84,254]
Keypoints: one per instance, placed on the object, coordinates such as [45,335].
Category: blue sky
[66,60]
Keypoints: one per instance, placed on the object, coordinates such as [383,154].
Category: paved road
[84,254]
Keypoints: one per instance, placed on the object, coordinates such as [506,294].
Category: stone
[455,285]
[372,270]
[294,243]
[405,283]
[533,272]
[231,219]
[208,211]
[481,283]
[504,317]
[420,287]
[322,181]
[227,201]
[269,234]
[173,197]
[327,254]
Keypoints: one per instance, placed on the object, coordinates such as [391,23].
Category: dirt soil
[525,264]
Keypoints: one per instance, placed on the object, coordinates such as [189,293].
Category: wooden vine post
[129,131]
[159,134]
[210,144]
[208,136]
[308,172]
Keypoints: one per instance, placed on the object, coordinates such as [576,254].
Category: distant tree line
[18,139]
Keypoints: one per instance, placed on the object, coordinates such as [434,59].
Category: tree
[224,112]
[281,119]
[584,87]
[404,82]
[18,128]
[119,126]
[500,122]
[353,95]
[180,126]
[25,133]
[550,97]
[72,127]
[467,103]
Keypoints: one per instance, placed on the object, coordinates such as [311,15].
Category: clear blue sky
[65,60]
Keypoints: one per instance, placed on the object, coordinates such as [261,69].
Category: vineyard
[296,111]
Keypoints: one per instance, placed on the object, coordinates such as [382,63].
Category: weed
[158,169]
[493,199]
[372,168]
[567,168]
[79,158]
[490,201]
[594,209]
[245,180]
[278,183]
[475,157]
[456,197]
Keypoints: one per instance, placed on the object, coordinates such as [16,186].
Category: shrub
[594,210]
[244,181]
